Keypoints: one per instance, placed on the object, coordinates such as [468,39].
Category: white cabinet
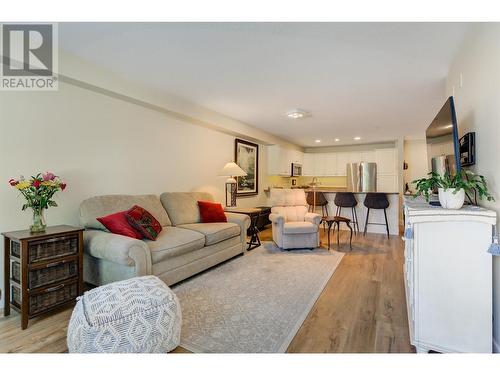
[386,161]
[448,278]
[355,157]
[342,160]
[294,156]
[368,156]
[308,165]
[387,183]
[334,164]
[325,164]
[280,160]
[331,164]
[387,171]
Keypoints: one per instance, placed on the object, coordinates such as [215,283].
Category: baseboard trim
[496,346]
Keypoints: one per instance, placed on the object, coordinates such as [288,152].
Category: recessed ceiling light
[298,114]
[318,141]
[336,139]
[357,138]
[448,126]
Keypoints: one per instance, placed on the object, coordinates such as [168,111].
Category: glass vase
[38,221]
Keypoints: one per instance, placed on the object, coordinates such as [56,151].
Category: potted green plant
[452,189]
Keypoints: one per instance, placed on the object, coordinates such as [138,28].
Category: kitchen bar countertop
[333,189]
[344,190]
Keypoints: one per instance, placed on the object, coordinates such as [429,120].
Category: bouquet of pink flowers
[38,192]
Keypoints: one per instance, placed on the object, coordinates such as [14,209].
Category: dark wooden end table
[336,220]
[254,214]
[42,271]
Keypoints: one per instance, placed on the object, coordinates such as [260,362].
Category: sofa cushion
[92,208]
[174,241]
[143,222]
[183,208]
[299,227]
[214,232]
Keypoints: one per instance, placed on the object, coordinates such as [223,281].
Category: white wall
[415,151]
[477,106]
[101,144]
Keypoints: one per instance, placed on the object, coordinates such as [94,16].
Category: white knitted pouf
[139,315]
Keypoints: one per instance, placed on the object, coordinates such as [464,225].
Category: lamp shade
[232,169]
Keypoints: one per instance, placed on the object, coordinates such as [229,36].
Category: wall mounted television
[443,149]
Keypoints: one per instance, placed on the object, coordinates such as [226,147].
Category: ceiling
[377,81]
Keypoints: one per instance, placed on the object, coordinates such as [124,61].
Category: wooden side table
[254,214]
[42,271]
[336,220]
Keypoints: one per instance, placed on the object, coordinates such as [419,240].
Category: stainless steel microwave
[296,170]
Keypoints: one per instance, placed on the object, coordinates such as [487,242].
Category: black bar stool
[347,200]
[377,201]
[320,201]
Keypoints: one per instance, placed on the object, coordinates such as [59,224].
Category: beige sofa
[184,247]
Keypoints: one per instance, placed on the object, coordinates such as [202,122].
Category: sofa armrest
[277,219]
[244,222]
[241,219]
[118,249]
[313,218]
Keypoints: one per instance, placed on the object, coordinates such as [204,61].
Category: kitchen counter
[376,216]
[344,190]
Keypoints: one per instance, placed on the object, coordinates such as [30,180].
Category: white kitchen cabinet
[342,160]
[330,164]
[280,160]
[319,164]
[368,156]
[448,278]
[386,161]
[308,165]
[387,183]
[355,157]
[295,156]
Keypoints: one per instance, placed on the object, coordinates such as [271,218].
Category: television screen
[442,141]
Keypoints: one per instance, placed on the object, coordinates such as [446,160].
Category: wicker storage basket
[16,271]
[15,249]
[49,298]
[56,247]
[58,272]
[52,273]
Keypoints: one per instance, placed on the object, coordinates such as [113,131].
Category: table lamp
[231,170]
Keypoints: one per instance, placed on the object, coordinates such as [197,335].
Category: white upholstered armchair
[293,226]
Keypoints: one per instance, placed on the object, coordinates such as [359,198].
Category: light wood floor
[361,310]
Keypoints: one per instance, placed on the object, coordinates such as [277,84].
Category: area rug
[255,303]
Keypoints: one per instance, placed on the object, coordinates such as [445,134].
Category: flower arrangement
[38,191]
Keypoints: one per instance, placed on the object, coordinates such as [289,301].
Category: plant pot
[451,200]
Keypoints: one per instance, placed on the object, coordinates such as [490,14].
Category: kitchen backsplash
[286,182]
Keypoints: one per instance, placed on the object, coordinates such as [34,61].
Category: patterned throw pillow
[143,222]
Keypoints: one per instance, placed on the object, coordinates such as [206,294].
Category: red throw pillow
[143,222]
[117,223]
[211,212]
